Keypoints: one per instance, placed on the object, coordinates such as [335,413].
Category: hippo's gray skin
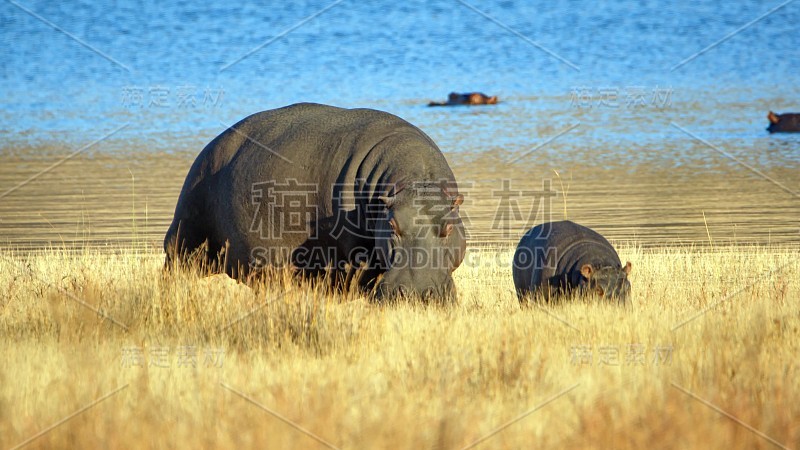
[557,258]
[783,123]
[315,187]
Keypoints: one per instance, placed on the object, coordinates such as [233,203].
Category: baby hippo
[783,123]
[559,258]
[470,98]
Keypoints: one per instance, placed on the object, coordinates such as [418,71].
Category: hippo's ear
[387,200]
[586,271]
[627,268]
[773,118]
[456,199]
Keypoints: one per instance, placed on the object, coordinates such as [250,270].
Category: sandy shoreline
[127,199]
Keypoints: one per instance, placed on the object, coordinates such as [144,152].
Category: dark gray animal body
[322,188]
[470,98]
[556,258]
[783,123]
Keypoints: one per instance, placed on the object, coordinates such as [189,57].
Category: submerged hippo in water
[328,192]
[471,98]
[558,258]
[783,123]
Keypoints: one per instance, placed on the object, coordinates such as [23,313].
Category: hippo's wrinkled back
[561,256]
[303,184]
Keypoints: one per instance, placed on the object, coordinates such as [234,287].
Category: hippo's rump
[274,178]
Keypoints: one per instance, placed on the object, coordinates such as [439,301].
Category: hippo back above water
[469,98]
[783,123]
[558,258]
[326,191]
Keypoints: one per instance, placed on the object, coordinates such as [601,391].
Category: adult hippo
[783,123]
[557,258]
[470,98]
[326,191]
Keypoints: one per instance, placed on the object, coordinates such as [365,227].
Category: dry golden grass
[407,376]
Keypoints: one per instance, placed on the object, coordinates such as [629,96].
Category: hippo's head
[477,98]
[783,123]
[774,120]
[608,282]
[421,240]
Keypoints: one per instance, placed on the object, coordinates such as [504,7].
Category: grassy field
[100,350]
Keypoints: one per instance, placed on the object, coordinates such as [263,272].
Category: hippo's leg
[188,246]
[320,260]
[368,278]
[359,278]
[233,258]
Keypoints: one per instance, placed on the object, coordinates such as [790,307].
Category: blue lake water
[178,72]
